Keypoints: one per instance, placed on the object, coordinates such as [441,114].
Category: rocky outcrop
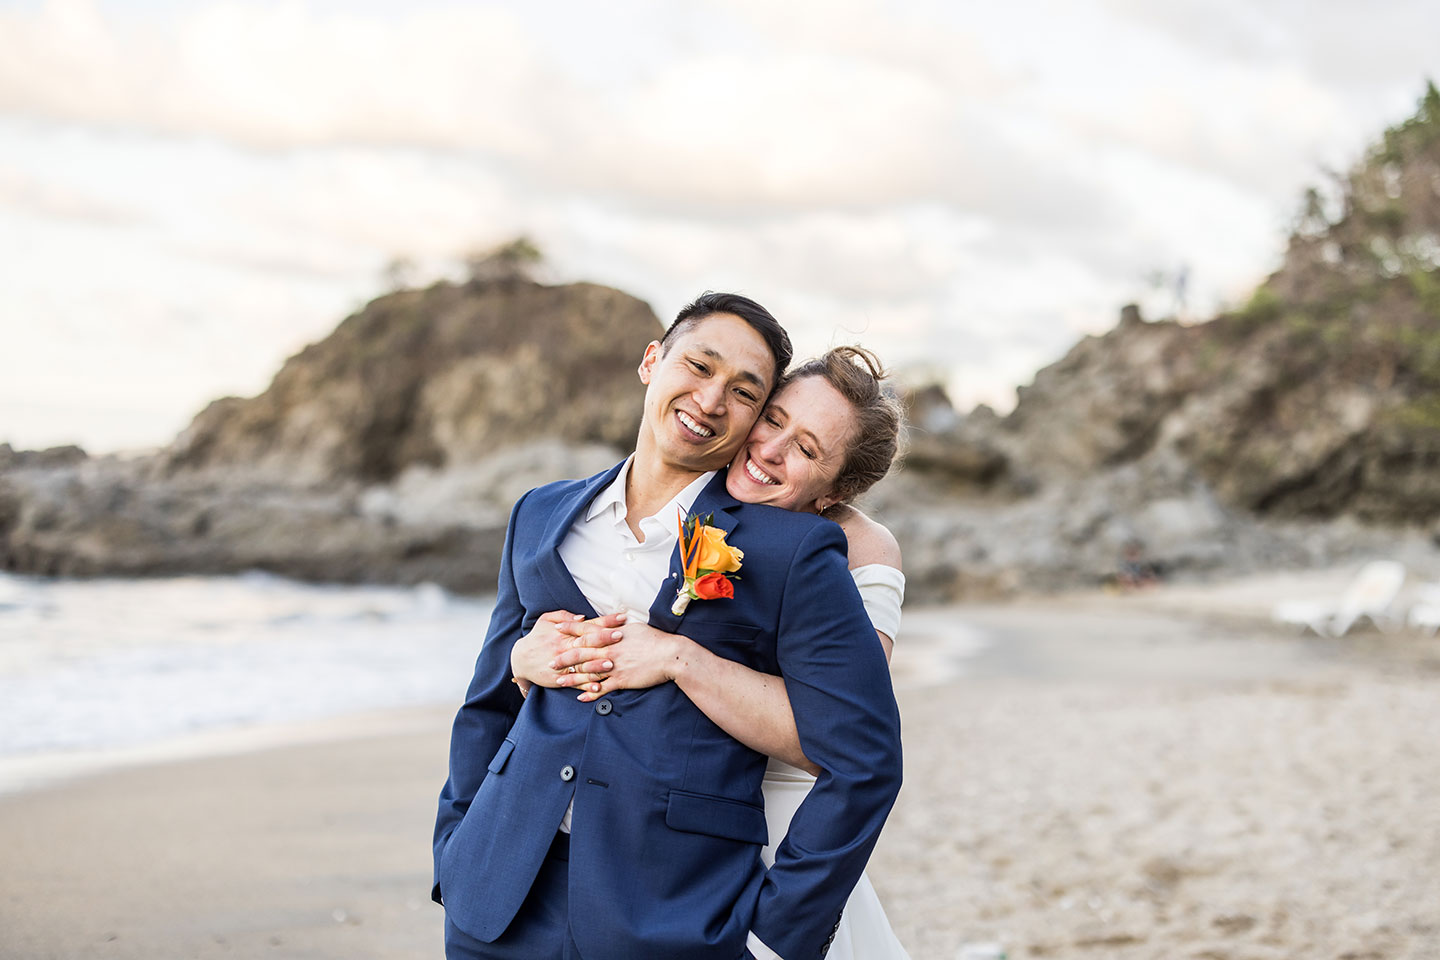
[1235,445]
[1300,429]
[112,517]
[390,451]
[11,459]
[437,378]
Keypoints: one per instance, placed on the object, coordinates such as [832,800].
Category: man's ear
[647,363]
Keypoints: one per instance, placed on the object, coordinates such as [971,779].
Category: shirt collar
[613,496]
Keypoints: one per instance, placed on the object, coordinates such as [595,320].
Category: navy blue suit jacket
[668,818]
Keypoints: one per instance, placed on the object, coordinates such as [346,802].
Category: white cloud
[277,75]
[192,193]
[42,197]
[712,128]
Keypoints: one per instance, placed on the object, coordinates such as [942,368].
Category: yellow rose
[715,553]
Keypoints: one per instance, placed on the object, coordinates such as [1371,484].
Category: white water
[116,665]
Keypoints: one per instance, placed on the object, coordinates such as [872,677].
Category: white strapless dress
[864,932]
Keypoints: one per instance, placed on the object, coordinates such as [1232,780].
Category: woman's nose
[772,448]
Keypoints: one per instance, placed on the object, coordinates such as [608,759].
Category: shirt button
[603,708]
[629,558]
[567,773]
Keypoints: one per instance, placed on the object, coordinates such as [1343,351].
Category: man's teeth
[694,426]
[756,475]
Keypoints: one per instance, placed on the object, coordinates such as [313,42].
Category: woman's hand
[533,658]
[643,657]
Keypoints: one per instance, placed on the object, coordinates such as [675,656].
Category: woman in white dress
[828,433]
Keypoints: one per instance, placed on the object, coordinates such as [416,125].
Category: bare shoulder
[870,540]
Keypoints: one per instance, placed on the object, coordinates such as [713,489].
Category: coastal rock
[1303,428]
[65,456]
[111,518]
[949,448]
[441,377]
[389,452]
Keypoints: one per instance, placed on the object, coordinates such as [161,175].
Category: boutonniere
[707,561]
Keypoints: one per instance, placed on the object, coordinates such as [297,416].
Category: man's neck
[649,486]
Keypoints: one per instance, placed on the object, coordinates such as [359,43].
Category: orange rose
[715,553]
[714,586]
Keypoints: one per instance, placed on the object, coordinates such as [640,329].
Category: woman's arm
[751,706]
[870,542]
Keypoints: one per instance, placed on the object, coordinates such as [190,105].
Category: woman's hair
[856,374]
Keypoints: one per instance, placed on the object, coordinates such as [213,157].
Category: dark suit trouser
[540,931]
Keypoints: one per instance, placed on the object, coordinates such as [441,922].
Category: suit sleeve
[491,704]
[839,686]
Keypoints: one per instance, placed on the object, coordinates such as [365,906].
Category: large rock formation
[1301,429]
[438,378]
[389,451]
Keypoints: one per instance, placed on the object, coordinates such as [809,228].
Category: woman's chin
[746,490]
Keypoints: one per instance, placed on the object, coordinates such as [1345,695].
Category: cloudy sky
[190,191]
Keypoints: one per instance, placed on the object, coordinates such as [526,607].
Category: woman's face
[795,450]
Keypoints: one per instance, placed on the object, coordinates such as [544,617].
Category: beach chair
[1425,611]
[1371,595]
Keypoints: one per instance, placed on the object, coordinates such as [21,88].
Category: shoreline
[1106,778]
[25,773]
[1218,632]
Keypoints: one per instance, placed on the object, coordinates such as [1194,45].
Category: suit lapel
[715,499]
[557,576]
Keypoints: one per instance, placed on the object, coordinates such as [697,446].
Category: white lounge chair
[1370,595]
[1425,612]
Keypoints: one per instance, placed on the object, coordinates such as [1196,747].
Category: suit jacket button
[567,773]
[603,707]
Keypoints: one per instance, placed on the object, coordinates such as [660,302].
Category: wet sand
[1150,776]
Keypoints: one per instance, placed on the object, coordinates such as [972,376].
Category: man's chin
[701,461]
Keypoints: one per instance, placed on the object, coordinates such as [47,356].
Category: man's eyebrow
[749,376]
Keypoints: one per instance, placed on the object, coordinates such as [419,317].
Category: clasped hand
[596,656]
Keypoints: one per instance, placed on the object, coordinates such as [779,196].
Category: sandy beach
[1156,775]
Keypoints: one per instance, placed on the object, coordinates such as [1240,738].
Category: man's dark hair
[709,303]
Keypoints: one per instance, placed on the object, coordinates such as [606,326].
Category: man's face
[703,392]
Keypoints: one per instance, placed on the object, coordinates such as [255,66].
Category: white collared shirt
[616,572]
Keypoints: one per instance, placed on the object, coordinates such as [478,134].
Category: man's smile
[694,426]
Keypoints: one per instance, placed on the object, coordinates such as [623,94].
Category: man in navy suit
[630,828]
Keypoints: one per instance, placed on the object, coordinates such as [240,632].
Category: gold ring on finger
[570,669]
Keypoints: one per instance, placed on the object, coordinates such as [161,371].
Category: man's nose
[711,398]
